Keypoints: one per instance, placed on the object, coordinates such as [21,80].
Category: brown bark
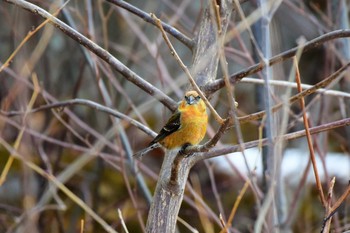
[175,169]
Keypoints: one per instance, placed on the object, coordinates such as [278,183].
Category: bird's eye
[198,97]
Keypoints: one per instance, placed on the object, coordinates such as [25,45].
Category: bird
[186,127]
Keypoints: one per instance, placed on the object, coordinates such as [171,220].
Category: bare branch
[219,83]
[281,83]
[333,209]
[168,196]
[325,82]
[308,136]
[298,134]
[100,52]
[185,69]
[88,103]
[146,17]
[58,184]
[255,116]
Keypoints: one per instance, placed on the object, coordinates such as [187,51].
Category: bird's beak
[190,100]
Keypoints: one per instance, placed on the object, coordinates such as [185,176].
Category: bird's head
[192,97]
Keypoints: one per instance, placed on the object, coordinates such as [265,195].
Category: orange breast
[194,120]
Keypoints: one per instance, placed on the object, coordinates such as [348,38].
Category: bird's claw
[183,149]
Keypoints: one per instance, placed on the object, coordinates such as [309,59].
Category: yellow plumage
[193,124]
[187,126]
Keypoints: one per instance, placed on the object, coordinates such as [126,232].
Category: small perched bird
[187,126]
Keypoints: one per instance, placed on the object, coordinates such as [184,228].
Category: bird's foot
[182,151]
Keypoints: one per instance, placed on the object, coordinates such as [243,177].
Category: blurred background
[89,151]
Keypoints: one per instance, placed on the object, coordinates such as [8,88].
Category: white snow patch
[294,162]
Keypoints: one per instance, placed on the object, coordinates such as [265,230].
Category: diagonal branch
[146,17]
[88,103]
[185,69]
[219,83]
[308,136]
[100,52]
[291,136]
[322,84]
[168,196]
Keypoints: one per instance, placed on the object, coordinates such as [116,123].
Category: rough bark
[169,193]
[175,169]
[206,50]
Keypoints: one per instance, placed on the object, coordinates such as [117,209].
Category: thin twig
[216,8]
[43,137]
[82,224]
[55,181]
[214,187]
[100,52]
[187,225]
[146,17]
[335,207]
[153,51]
[203,215]
[22,130]
[308,136]
[291,136]
[296,197]
[236,204]
[328,205]
[282,83]
[185,69]
[88,103]
[212,214]
[122,221]
[219,83]
[325,82]
[27,37]
[223,224]
[72,117]
[340,200]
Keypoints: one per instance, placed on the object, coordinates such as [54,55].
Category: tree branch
[308,136]
[325,82]
[333,209]
[100,52]
[219,83]
[298,134]
[175,169]
[185,69]
[88,103]
[146,17]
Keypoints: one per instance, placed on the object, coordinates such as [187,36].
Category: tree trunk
[169,193]
[175,169]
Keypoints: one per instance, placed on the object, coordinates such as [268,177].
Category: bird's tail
[140,153]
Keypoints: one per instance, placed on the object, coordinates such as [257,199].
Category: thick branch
[102,53]
[206,54]
[175,169]
[168,195]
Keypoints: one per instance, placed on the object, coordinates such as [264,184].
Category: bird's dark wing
[170,127]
